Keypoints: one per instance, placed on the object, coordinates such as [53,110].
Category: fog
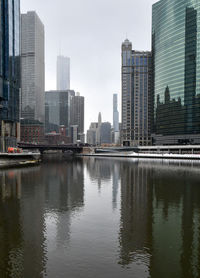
[90,32]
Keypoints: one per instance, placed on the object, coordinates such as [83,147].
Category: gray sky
[90,32]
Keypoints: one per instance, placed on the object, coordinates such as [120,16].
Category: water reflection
[136,214]
[146,219]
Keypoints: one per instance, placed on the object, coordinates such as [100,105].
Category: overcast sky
[90,32]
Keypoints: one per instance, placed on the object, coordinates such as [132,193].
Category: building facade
[115,113]
[57,110]
[116,133]
[32,67]
[105,133]
[63,73]
[77,112]
[92,134]
[32,131]
[176,67]
[136,95]
[9,72]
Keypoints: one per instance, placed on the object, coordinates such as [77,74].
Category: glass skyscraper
[176,67]
[9,71]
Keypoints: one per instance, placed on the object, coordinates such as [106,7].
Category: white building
[32,67]
[116,120]
[63,73]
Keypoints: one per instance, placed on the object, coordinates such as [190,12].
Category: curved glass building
[176,68]
[9,72]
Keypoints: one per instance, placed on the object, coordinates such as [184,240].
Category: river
[100,218]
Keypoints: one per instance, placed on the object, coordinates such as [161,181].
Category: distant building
[105,133]
[63,73]
[99,133]
[54,138]
[116,133]
[98,136]
[57,110]
[77,114]
[74,134]
[9,73]
[32,67]
[32,131]
[92,134]
[136,95]
[115,113]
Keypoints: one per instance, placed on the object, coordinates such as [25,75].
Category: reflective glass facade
[9,60]
[176,67]
[57,110]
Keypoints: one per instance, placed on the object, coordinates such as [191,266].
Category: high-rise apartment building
[63,73]
[77,112]
[136,95]
[176,67]
[9,72]
[32,67]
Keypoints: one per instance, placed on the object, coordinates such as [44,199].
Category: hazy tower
[63,73]
[32,67]
[115,113]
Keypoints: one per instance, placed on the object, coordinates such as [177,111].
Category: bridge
[43,147]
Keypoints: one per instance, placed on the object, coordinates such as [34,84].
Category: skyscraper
[176,67]
[9,72]
[33,67]
[63,73]
[115,113]
[136,95]
[77,112]
[105,133]
[116,132]
[57,110]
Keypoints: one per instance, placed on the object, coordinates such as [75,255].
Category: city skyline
[96,75]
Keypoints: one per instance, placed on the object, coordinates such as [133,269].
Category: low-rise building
[31,131]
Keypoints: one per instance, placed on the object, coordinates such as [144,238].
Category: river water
[100,218]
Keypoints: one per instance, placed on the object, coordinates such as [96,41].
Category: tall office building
[105,133]
[176,67]
[57,110]
[32,67]
[136,95]
[63,73]
[77,112]
[9,72]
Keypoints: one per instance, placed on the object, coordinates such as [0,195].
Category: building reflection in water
[65,195]
[10,225]
[28,197]
[136,214]
[160,218]
[156,226]
[99,170]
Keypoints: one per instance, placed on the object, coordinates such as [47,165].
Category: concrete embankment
[146,156]
[12,160]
